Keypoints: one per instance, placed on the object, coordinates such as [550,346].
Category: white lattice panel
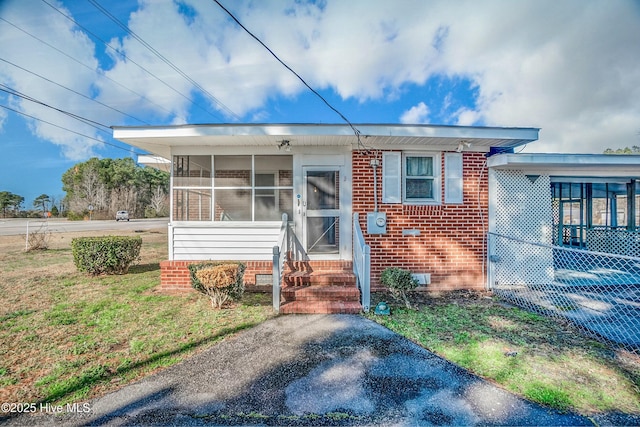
[522,210]
[621,242]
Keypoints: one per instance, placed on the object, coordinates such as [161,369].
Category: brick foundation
[174,275]
[451,242]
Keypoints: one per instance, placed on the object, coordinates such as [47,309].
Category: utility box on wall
[377,223]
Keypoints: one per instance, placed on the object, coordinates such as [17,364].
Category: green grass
[535,357]
[66,336]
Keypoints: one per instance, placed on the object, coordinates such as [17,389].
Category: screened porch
[601,215]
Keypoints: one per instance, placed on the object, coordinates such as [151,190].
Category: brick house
[419,195]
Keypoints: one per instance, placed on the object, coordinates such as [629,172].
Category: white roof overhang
[163,140]
[583,165]
[155,162]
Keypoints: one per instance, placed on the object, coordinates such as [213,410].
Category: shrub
[74,216]
[105,255]
[150,212]
[399,281]
[221,282]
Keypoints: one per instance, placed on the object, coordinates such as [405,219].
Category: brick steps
[320,293]
[321,307]
[321,277]
[320,287]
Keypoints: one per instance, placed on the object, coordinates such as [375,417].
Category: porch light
[286,144]
[462,145]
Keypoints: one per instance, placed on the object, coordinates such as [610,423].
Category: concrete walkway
[312,370]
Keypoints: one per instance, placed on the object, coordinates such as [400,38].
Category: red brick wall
[451,241]
[174,275]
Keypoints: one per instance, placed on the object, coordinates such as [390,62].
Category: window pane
[419,166]
[192,171]
[232,171]
[265,180]
[232,205]
[419,189]
[600,211]
[192,205]
[322,190]
[271,204]
[280,167]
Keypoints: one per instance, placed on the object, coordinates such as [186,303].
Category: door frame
[342,164]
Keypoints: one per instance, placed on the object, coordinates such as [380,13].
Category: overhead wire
[86,66]
[69,130]
[322,98]
[74,91]
[122,55]
[19,94]
[165,60]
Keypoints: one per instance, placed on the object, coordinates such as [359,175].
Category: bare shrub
[220,283]
[38,238]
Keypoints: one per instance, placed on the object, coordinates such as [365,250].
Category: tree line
[99,188]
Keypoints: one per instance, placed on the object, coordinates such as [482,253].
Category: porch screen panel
[252,187]
[232,171]
[192,171]
[273,187]
[191,205]
[270,204]
[233,204]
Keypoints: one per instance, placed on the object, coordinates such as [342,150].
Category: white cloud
[3,118]
[27,42]
[416,114]
[569,67]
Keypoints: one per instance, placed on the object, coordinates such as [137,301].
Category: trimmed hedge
[105,255]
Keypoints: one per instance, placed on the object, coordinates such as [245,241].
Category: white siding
[241,242]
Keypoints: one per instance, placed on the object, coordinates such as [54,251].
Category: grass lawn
[541,359]
[67,337]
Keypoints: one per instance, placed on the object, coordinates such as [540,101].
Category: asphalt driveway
[312,370]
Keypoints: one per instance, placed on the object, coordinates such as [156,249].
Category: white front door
[321,210]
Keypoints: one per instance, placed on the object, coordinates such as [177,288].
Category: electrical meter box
[377,223]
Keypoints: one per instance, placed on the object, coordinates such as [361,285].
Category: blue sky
[571,68]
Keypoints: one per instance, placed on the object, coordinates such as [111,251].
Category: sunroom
[592,202]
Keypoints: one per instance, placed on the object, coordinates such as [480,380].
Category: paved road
[315,370]
[17,226]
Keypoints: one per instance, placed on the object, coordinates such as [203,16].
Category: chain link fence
[598,292]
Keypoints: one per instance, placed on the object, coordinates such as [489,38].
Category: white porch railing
[362,264]
[288,248]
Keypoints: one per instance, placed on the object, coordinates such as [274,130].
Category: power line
[86,66]
[355,131]
[19,94]
[119,53]
[164,59]
[68,130]
[76,92]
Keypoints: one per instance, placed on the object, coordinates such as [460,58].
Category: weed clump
[38,239]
